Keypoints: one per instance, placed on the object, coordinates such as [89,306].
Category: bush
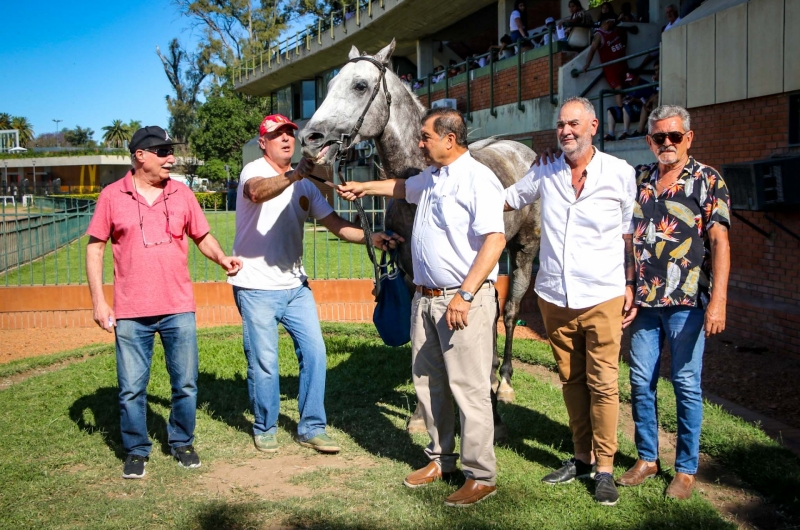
[88,196]
[213,200]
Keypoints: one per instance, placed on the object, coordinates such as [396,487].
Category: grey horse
[395,128]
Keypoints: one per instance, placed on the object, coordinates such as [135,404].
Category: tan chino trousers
[586,344]
[448,365]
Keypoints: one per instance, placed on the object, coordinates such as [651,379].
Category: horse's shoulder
[508,160]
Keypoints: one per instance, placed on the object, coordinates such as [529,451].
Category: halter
[345,145]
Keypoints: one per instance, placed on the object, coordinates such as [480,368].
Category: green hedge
[211,200]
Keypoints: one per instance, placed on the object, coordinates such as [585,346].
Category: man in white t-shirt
[672,17]
[457,239]
[273,203]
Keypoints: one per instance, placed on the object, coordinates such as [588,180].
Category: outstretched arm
[209,246]
[262,189]
[589,56]
[350,191]
[353,233]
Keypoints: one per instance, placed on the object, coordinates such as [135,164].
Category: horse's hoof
[505,393]
[416,426]
[500,432]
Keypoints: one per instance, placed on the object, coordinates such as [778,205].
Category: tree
[79,136]
[5,121]
[25,129]
[185,73]
[226,121]
[134,125]
[116,134]
[213,170]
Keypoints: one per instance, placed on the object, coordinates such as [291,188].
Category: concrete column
[565,7]
[658,9]
[424,57]
[504,9]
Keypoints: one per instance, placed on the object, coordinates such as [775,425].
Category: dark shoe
[636,134]
[266,443]
[469,494]
[422,477]
[624,136]
[605,492]
[681,487]
[609,138]
[640,472]
[134,466]
[572,469]
[186,457]
[322,443]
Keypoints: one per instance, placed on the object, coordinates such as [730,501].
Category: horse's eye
[361,86]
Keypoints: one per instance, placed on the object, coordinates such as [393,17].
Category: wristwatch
[466,295]
[630,282]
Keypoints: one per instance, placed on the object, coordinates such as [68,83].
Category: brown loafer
[681,487]
[470,493]
[640,472]
[424,476]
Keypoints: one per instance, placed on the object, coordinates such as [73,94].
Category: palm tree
[25,129]
[116,134]
[134,125]
[5,121]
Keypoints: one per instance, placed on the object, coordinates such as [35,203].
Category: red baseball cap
[629,77]
[273,122]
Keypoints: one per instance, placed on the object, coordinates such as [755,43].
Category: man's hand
[303,169]
[231,264]
[351,191]
[715,318]
[549,156]
[104,316]
[386,240]
[629,309]
[457,311]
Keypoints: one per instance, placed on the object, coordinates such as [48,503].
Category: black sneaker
[134,466]
[186,457]
[572,469]
[605,492]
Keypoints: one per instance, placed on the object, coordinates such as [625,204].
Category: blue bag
[392,315]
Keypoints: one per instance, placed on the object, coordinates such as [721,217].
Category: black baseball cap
[150,136]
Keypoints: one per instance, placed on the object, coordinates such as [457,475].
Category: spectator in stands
[626,15]
[672,17]
[682,256]
[452,69]
[579,18]
[152,291]
[517,23]
[406,79]
[419,83]
[611,46]
[438,74]
[650,103]
[632,105]
[503,51]
[606,10]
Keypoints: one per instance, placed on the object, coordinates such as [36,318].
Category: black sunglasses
[674,136]
[161,152]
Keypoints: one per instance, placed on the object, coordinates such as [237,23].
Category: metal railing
[609,92]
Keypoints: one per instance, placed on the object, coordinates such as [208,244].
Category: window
[284,101]
[309,95]
[794,119]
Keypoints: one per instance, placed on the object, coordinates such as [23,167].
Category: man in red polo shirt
[148,219]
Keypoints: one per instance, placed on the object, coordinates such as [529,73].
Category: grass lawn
[324,257]
[61,453]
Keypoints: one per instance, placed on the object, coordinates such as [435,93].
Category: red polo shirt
[152,280]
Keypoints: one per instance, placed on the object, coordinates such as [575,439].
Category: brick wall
[535,84]
[764,301]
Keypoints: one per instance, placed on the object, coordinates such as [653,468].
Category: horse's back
[509,160]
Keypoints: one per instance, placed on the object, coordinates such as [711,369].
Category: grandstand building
[731,63]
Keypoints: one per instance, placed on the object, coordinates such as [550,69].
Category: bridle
[345,144]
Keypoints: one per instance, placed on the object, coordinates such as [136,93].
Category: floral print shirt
[671,245]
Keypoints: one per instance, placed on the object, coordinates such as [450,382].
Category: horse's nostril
[313,138]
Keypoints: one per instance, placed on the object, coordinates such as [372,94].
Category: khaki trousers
[586,344]
[456,364]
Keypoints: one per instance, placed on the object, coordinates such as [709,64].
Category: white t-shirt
[582,254]
[457,206]
[514,15]
[269,235]
[670,25]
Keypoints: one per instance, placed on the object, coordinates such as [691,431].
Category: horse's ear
[385,54]
[354,53]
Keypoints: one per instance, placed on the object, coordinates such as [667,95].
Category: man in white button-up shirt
[457,239]
[587,200]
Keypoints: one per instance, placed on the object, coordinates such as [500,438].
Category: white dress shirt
[581,259]
[458,205]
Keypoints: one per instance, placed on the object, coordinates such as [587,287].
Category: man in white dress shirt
[585,284]
[457,239]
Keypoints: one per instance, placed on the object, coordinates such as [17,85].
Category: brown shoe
[640,472]
[424,476]
[681,487]
[470,493]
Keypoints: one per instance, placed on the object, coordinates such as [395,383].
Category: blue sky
[87,62]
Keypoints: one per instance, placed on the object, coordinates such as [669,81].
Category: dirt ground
[739,371]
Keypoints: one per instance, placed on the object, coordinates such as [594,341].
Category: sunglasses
[674,136]
[161,152]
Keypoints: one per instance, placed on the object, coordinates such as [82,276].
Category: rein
[345,146]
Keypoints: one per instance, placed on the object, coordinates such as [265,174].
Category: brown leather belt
[427,291]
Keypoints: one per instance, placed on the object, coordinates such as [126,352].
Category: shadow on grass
[103,405]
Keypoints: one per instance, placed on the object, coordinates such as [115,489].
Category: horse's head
[349,97]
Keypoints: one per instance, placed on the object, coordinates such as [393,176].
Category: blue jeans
[134,343]
[296,309]
[684,331]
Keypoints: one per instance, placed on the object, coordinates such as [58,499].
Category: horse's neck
[398,146]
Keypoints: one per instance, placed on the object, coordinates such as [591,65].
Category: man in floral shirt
[681,222]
